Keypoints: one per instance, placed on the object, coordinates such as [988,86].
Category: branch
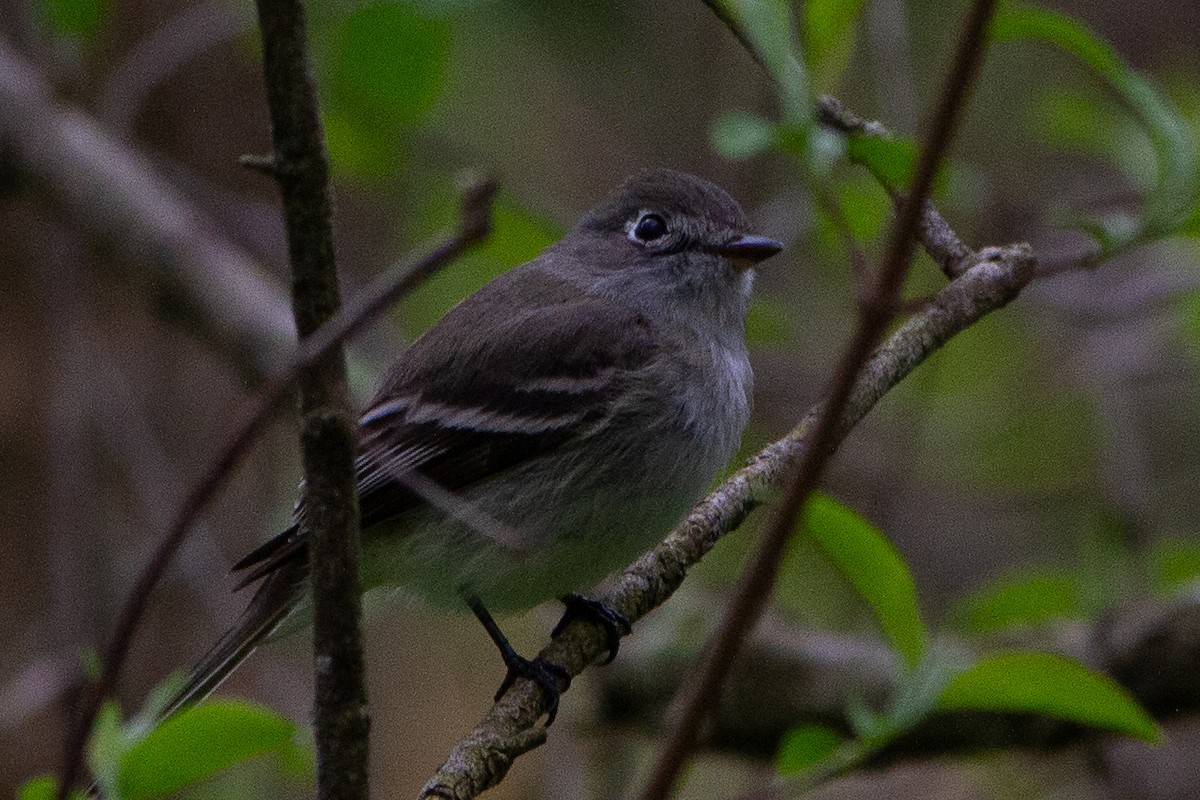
[474,226]
[329,520]
[935,234]
[1151,648]
[756,583]
[117,195]
[991,279]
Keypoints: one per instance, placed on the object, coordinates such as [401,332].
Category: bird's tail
[273,601]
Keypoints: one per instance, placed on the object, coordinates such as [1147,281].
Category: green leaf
[1191,225]
[389,63]
[43,787]
[76,17]
[768,26]
[865,206]
[1177,187]
[891,161]
[197,742]
[829,38]
[1042,683]
[1081,123]
[737,135]
[1025,600]
[107,748]
[874,568]
[298,758]
[803,747]
[1176,566]
[358,149]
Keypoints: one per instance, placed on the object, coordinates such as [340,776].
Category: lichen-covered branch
[990,279]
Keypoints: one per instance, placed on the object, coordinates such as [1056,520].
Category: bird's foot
[615,623]
[546,675]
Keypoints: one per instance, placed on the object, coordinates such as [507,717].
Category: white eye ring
[648,228]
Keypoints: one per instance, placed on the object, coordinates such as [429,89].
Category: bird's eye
[649,227]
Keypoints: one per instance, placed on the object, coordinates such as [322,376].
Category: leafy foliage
[873,567]
[934,679]
[738,134]
[1028,600]
[1176,192]
[768,26]
[804,747]
[142,761]
[891,161]
[1042,683]
[1175,566]
[198,742]
[829,38]
[387,66]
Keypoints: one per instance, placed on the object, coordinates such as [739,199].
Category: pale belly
[564,537]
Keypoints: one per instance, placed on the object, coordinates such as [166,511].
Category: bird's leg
[543,673]
[615,623]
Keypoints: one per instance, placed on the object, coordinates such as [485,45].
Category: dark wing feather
[456,417]
[456,414]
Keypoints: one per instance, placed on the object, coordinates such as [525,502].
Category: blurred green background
[1040,471]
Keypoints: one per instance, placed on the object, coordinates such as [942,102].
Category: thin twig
[757,582]
[474,225]
[935,234]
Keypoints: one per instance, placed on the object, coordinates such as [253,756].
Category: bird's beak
[746,251]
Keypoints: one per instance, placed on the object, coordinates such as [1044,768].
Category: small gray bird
[550,427]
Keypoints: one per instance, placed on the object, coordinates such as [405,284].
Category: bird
[548,429]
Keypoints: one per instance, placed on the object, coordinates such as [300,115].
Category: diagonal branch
[118,196]
[991,279]
[756,583]
[474,226]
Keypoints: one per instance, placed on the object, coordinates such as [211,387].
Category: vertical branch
[328,436]
[756,584]
[474,226]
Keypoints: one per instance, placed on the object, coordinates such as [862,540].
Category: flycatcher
[550,427]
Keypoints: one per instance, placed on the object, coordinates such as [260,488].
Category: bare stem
[329,519]
[756,584]
[474,226]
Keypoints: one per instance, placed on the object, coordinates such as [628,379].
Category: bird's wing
[455,417]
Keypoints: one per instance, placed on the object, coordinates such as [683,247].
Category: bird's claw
[615,623]
[546,675]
